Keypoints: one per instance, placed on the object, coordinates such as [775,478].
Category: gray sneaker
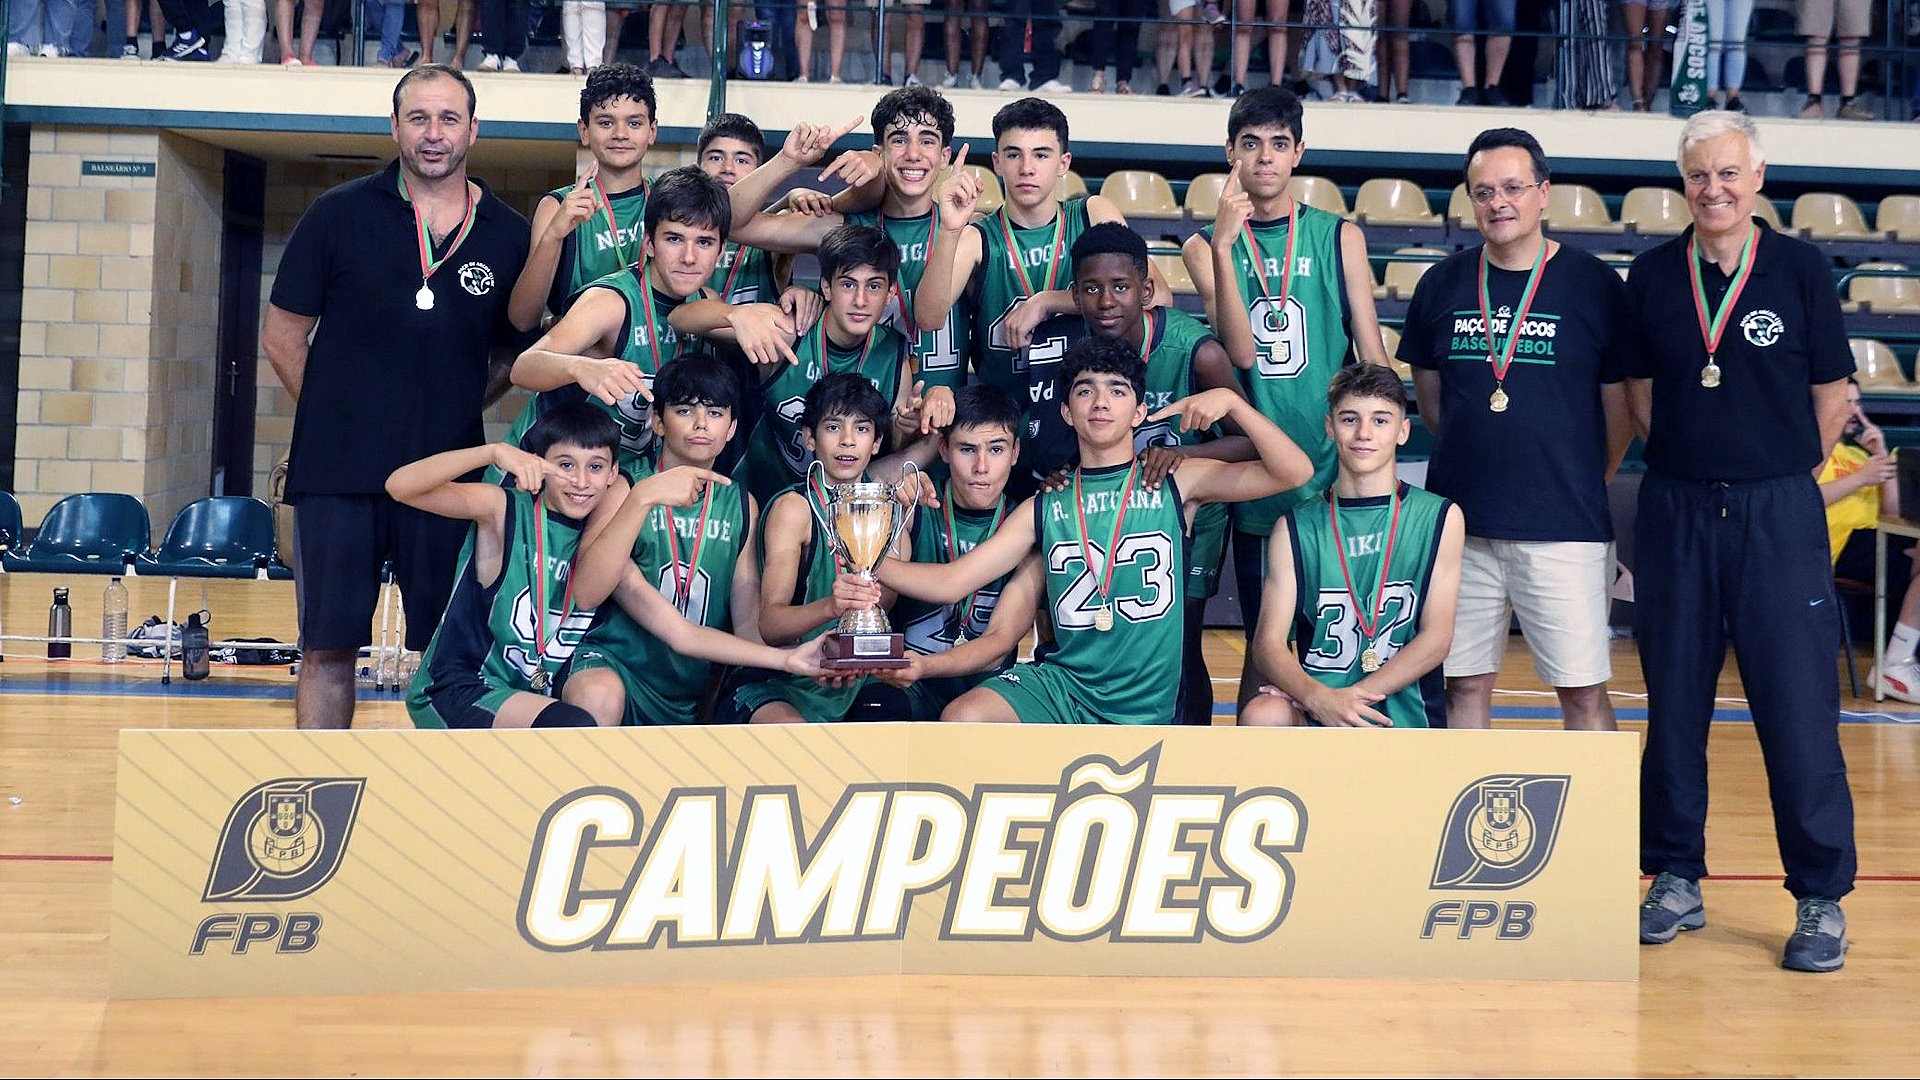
[1672,905]
[1819,941]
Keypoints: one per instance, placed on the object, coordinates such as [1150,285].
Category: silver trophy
[862,522]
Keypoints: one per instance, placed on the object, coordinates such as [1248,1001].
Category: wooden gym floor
[1712,1002]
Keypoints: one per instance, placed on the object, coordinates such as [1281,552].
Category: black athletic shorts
[343,540]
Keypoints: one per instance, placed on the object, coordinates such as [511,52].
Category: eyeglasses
[1483,196]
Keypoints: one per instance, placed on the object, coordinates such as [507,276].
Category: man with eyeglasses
[1516,354]
[1739,380]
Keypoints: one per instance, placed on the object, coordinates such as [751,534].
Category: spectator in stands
[1191,47]
[976,37]
[187,18]
[1727,50]
[503,33]
[914,43]
[1646,26]
[1494,20]
[1582,72]
[663,37]
[583,32]
[246,22]
[27,27]
[1040,42]
[1396,56]
[1339,45]
[130,44]
[1245,12]
[79,40]
[806,20]
[1850,21]
[1858,485]
[617,12]
[454,15]
[389,304]
[1738,374]
[310,12]
[389,17]
[1116,41]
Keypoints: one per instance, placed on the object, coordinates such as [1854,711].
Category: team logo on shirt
[1500,832]
[476,278]
[1762,328]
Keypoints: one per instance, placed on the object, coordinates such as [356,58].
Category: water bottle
[60,625]
[113,622]
[196,659]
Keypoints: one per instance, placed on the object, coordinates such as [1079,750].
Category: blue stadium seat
[13,533]
[222,536]
[94,533]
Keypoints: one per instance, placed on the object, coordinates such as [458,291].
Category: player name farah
[1105,852]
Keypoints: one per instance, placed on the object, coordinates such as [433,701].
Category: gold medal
[1103,618]
[424,298]
[1499,401]
[540,681]
[1369,660]
[1710,375]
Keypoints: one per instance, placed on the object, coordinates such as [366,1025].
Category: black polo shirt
[1784,336]
[387,383]
[1537,471]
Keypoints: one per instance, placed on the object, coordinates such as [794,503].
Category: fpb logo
[284,839]
[1500,833]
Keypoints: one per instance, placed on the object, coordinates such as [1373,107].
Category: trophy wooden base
[864,652]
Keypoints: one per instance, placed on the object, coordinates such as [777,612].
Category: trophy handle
[826,527]
[903,515]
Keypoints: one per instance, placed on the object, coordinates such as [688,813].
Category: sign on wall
[289,863]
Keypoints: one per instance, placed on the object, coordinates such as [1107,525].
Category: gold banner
[291,863]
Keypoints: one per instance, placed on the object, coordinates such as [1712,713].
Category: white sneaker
[1053,86]
[17,48]
[52,52]
[489,62]
[956,82]
[1899,681]
[510,64]
[1014,85]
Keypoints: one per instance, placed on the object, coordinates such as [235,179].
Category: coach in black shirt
[401,281]
[1741,368]
[1515,349]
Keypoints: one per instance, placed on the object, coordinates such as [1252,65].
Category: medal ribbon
[1053,248]
[647,313]
[899,287]
[683,587]
[740,253]
[606,207]
[1714,327]
[429,264]
[953,545]
[822,348]
[1286,267]
[1120,521]
[540,585]
[1501,357]
[1369,624]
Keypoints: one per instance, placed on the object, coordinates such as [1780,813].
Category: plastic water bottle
[59,625]
[196,660]
[113,622]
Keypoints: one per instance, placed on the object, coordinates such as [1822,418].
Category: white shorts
[1175,7]
[1558,591]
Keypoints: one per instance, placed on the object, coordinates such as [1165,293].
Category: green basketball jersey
[932,628]
[692,566]
[597,247]
[777,456]
[1327,618]
[1174,338]
[942,351]
[1298,349]
[1000,287]
[633,411]
[818,570]
[488,633]
[744,275]
[1130,673]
